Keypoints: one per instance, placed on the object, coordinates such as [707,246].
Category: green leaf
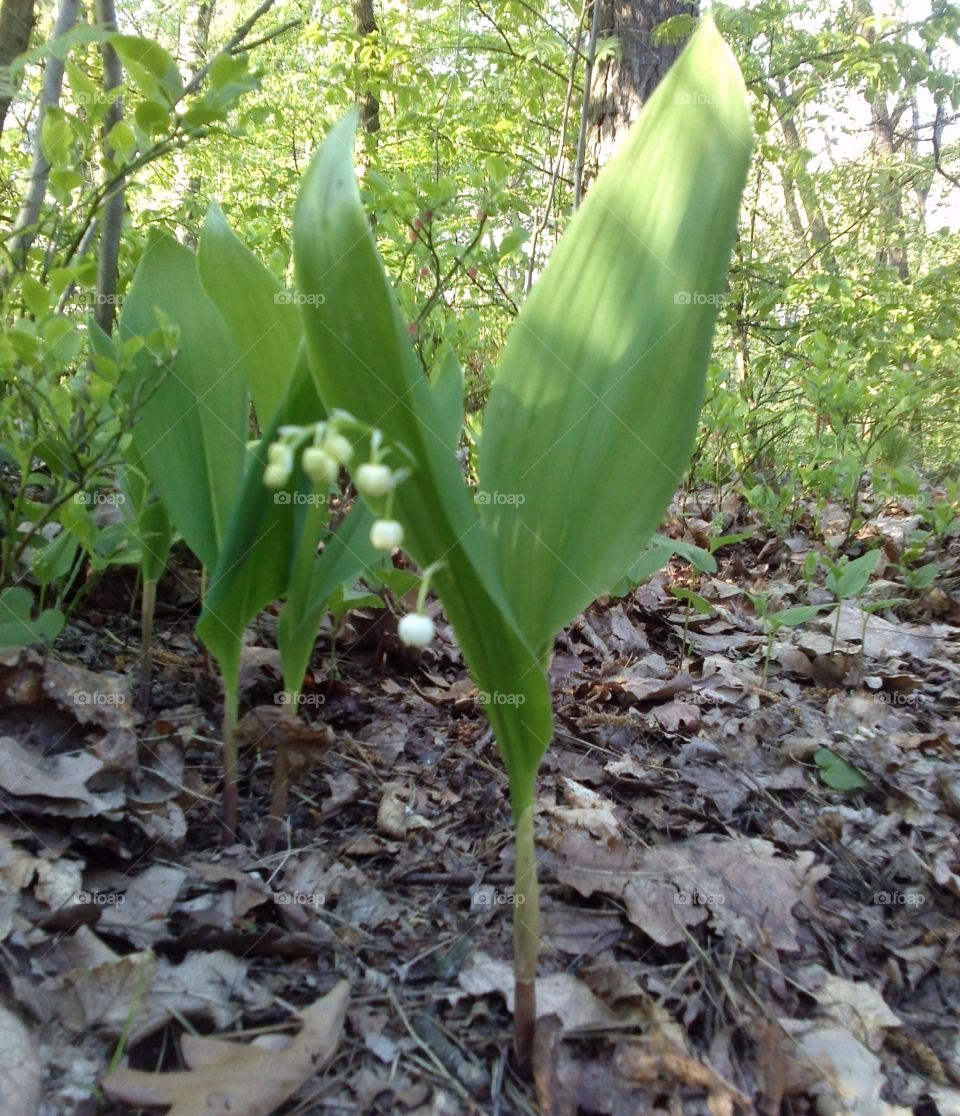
[17,629]
[56,138]
[151,117]
[361,357]
[851,579]
[345,557]
[837,773]
[594,408]
[260,313]
[151,68]
[447,384]
[701,604]
[191,437]
[122,139]
[53,562]
[267,530]
[794,617]
[35,295]
[149,523]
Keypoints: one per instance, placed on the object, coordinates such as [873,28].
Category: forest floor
[749,861]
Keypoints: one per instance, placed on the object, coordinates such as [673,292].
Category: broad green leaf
[35,295]
[653,559]
[837,773]
[122,139]
[447,384]
[361,357]
[267,530]
[149,522]
[151,117]
[793,617]
[53,562]
[260,313]
[345,557]
[701,604]
[191,437]
[17,628]
[594,407]
[151,68]
[851,579]
[56,138]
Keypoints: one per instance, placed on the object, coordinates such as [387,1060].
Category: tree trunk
[198,45]
[622,81]
[367,101]
[112,217]
[17,18]
[20,239]
[797,181]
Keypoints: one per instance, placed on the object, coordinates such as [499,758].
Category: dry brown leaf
[234,1079]
[741,883]
[560,994]
[60,780]
[22,1072]
[656,1058]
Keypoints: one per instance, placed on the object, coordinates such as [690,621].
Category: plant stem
[148,601]
[526,938]
[230,794]
[280,791]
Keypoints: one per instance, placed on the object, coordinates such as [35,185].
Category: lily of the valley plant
[591,417]
[588,430]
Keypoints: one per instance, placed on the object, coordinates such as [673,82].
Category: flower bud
[338,447]
[415,629]
[276,475]
[373,480]
[386,534]
[279,453]
[319,466]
